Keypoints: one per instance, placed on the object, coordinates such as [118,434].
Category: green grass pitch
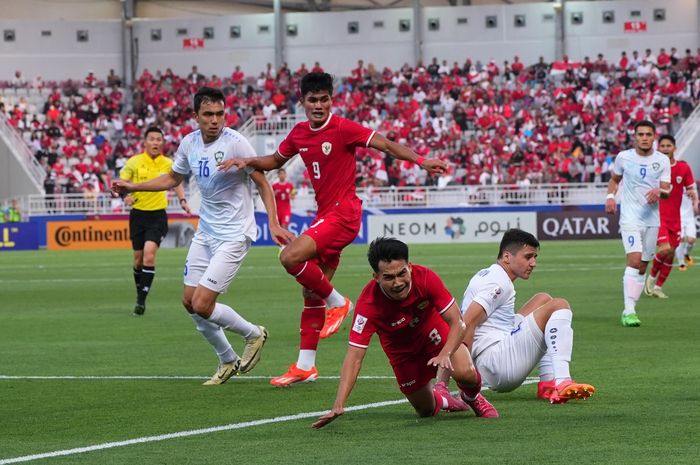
[69,314]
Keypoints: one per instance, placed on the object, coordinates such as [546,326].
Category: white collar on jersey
[330,115]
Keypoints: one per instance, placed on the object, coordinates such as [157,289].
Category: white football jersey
[640,174]
[226,212]
[687,213]
[492,289]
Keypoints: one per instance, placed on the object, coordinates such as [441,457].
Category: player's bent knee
[559,304]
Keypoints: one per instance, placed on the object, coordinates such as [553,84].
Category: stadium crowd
[507,123]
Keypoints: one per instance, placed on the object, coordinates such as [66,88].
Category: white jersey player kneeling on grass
[226,229]
[506,345]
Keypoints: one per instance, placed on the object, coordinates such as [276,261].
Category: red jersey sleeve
[355,134]
[437,292]
[689,179]
[287,147]
[362,327]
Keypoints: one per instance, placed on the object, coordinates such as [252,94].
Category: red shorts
[336,229]
[284,217]
[412,372]
[668,234]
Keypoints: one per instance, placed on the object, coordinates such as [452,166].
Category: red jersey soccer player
[284,193]
[326,143]
[670,212]
[419,326]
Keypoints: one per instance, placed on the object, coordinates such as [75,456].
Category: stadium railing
[386,197]
[21,151]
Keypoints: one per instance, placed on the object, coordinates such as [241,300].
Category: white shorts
[640,239]
[213,263]
[505,365]
[688,228]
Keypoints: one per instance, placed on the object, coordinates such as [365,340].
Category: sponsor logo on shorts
[212,281]
[359,325]
[410,383]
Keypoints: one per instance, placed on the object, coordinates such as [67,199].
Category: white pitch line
[201,431]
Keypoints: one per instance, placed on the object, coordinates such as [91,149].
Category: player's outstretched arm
[348,376]
[613,184]
[454,338]
[280,235]
[401,152]
[180,192]
[266,163]
[473,316]
[161,183]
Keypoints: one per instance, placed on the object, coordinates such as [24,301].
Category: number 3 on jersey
[435,337]
[316,167]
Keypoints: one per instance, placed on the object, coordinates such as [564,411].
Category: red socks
[661,269]
[312,319]
[309,275]
[471,391]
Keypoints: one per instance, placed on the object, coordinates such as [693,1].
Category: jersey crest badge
[655,166]
[219,157]
[495,292]
[679,179]
[326,147]
[359,325]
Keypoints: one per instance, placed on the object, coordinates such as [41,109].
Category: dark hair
[515,239]
[645,124]
[386,249]
[668,137]
[316,82]
[153,129]
[208,95]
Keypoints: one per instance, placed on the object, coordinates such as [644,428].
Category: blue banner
[298,225]
[19,236]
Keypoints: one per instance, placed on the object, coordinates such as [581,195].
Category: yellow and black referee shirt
[140,168]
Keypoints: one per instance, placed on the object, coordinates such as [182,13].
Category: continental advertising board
[454,227]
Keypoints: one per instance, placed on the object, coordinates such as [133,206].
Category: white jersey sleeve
[493,289]
[181,164]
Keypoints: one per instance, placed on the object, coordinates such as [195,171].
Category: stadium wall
[412,225]
[480,32]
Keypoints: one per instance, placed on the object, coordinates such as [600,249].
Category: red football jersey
[670,208]
[404,327]
[329,155]
[283,195]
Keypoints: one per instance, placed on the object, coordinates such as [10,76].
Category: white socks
[632,286]
[306,360]
[546,367]
[227,318]
[680,254]
[216,338]
[559,337]
[335,299]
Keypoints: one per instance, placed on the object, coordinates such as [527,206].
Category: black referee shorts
[147,226]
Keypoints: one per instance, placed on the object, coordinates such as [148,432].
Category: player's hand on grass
[610,206]
[434,166]
[280,235]
[120,188]
[327,418]
[227,164]
[441,361]
[653,195]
